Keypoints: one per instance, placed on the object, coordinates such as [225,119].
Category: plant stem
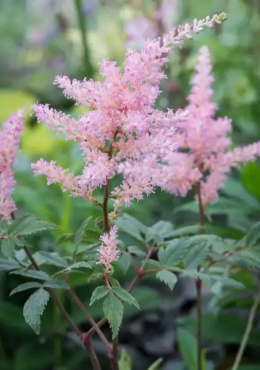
[115,354]
[90,319]
[138,276]
[105,209]
[88,346]
[92,355]
[198,287]
[83,30]
[246,335]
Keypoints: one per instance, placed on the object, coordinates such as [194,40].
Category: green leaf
[125,296]
[132,226]
[136,250]
[113,310]
[246,259]
[167,277]
[8,248]
[28,225]
[74,267]
[211,279]
[251,179]
[184,231]
[55,284]
[8,265]
[3,227]
[156,364]
[125,261]
[195,257]
[99,293]
[39,275]
[125,362]
[159,231]
[34,308]
[253,235]
[79,235]
[173,254]
[25,286]
[19,242]
[188,348]
[52,258]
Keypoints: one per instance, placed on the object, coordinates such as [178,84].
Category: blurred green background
[44,38]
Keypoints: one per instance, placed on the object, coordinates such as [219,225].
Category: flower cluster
[123,133]
[108,251]
[204,156]
[123,126]
[9,142]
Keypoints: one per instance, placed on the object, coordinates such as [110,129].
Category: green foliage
[158,232]
[34,308]
[125,362]
[188,348]
[132,226]
[167,277]
[75,267]
[8,248]
[125,262]
[99,293]
[25,286]
[125,296]
[155,365]
[27,225]
[113,310]
[8,265]
[52,258]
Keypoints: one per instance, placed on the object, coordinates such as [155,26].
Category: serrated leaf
[195,257]
[19,242]
[25,286]
[52,258]
[125,362]
[39,275]
[125,261]
[253,235]
[113,311]
[114,282]
[184,231]
[3,227]
[167,277]
[246,259]
[132,226]
[156,364]
[159,231]
[8,248]
[79,234]
[28,225]
[34,308]
[8,265]
[136,250]
[99,293]
[213,278]
[74,267]
[55,284]
[125,296]
[174,253]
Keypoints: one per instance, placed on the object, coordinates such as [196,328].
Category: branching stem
[198,286]
[249,326]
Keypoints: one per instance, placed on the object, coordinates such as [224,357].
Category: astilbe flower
[9,142]
[108,251]
[122,127]
[205,156]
